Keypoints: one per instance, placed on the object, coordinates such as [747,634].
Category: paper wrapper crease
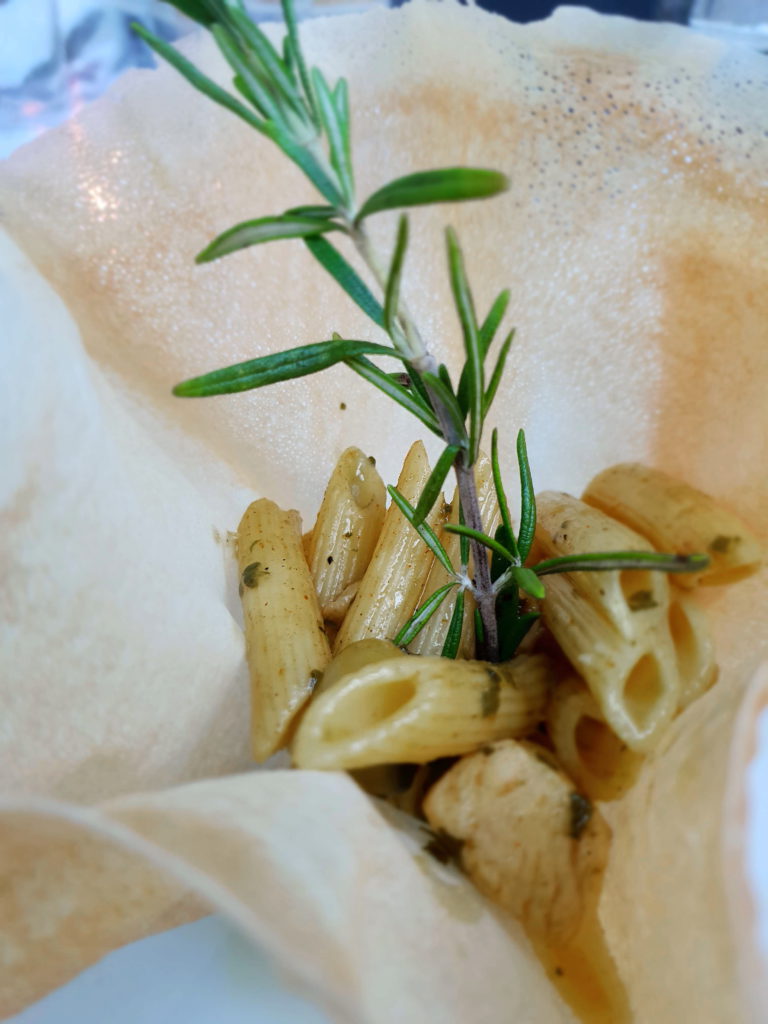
[635,243]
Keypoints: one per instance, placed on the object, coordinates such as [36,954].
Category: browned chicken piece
[528,839]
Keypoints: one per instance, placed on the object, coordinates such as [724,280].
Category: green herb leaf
[501,497]
[295,362]
[346,276]
[451,405]
[447,185]
[341,102]
[455,627]
[485,336]
[335,133]
[321,212]
[513,627]
[264,229]
[490,325]
[527,500]
[599,561]
[197,79]
[435,482]
[262,49]
[248,79]
[498,370]
[474,365]
[528,582]
[422,615]
[306,161]
[445,376]
[500,565]
[424,530]
[386,383]
[392,296]
[290,62]
[297,58]
[201,11]
[418,385]
[483,538]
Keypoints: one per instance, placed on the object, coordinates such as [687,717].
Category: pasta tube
[600,764]
[677,518]
[634,682]
[340,605]
[528,839]
[694,648]
[417,709]
[356,657]
[347,528]
[393,581]
[632,600]
[285,644]
[431,639]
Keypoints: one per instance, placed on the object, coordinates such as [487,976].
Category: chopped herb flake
[443,846]
[491,695]
[641,600]
[721,545]
[252,573]
[581,812]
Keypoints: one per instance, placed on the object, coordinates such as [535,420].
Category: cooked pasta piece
[347,528]
[600,764]
[306,544]
[416,709]
[634,682]
[694,648]
[528,839]
[431,639]
[390,589]
[633,600]
[338,608]
[356,657]
[678,518]
[285,644]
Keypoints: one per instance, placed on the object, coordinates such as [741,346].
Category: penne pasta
[390,589]
[694,648]
[356,657]
[635,681]
[633,600]
[340,605]
[418,709]
[285,643]
[679,519]
[306,544]
[347,528]
[600,764]
[431,639]
[528,839]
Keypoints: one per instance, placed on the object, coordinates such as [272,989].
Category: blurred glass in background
[56,55]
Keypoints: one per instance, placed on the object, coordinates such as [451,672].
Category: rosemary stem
[410,342]
[424,361]
[482,587]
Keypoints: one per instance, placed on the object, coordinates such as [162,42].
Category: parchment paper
[634,240]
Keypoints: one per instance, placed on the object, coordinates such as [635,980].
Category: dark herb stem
[482,586]
[423,361]
[407,338]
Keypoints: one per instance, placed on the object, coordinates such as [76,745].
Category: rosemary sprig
[308,118]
